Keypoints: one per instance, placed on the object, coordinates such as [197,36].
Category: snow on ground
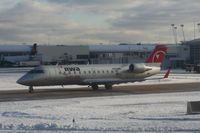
[133,113]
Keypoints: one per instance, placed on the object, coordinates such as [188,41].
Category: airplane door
[51,73]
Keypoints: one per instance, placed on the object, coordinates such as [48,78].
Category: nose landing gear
[30,89]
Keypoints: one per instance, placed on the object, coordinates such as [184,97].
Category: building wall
[195,53]
[63,54]
[177,55]
[117,57]
[82,54]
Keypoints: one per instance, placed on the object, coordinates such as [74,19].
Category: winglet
[167,73]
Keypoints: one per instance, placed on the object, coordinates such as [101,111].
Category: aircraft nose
[22,81]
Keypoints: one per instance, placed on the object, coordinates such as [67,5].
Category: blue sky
[96,21]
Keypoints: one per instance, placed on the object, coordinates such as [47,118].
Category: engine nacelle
[138,68]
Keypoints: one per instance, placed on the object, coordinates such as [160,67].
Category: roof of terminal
[92,48]
[15,48]
[121,48]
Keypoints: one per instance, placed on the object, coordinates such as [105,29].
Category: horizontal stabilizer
[167,73]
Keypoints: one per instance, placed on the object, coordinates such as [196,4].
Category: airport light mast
[194,30]
[174,28]
[198,27]
[183,32]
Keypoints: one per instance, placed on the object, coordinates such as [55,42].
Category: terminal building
[194,51]
[11,54]
[119,54]
[177,56]
[102,54]
[93,54]
[63,54]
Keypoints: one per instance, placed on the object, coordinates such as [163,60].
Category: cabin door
[51,73]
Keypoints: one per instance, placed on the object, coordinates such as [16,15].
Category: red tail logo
[157,56]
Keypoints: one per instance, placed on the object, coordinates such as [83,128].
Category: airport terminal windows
[82,56]
[195,54]
[14,53]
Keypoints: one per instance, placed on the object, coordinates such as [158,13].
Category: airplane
[94,75]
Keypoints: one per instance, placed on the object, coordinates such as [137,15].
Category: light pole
[183,32]
[198,26]
[194,30]
[173,31]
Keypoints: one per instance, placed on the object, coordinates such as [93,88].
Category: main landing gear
[30,89]
[96,87]
[108,86]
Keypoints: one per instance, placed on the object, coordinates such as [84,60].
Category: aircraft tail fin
[157,56]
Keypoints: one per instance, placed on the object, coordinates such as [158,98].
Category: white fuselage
[86,74]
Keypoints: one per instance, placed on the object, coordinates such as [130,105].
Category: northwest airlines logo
[158,56]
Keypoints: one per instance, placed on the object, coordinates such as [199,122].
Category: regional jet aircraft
[94,75]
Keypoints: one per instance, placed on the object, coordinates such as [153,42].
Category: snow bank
[132,113]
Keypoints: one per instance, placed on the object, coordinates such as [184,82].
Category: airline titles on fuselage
[72,69]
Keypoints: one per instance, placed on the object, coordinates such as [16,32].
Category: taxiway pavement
[63,93]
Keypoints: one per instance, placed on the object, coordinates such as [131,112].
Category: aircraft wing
[119,81]
[110,81]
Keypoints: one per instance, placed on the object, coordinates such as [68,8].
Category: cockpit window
[36,71]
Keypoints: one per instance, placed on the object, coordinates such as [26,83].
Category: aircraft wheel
[30,89]
[108,86]
[95,87]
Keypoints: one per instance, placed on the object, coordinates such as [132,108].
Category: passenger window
[107,71]
[89,72]
[102,71]
[98,71]
[84,72]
